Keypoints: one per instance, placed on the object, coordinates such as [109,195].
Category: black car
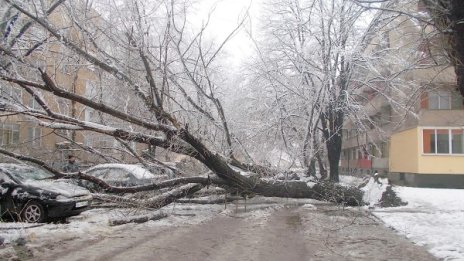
[30,194]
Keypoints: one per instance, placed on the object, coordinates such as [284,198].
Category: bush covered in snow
[379,193]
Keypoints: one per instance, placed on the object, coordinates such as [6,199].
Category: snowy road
[314,231]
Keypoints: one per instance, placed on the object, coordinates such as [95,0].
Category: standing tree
[448,17]
[308,54]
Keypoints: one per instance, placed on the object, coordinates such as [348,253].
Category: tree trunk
[333,152]
[457,41]
[322,169]
[311,171]
[325,191]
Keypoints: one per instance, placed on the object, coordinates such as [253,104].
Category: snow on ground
[373,191]
[91,222]
[94,223]
[433,218]
[350,180]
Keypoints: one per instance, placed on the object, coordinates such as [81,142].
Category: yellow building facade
[413,132]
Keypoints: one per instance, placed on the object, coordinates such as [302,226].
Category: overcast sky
[226,16]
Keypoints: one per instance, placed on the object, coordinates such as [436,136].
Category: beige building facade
[22,134]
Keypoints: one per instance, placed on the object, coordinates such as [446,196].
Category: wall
[404,148]
[441,164]
[406,156]
[438,118]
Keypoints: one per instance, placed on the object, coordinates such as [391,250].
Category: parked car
[122,175]
[30,194]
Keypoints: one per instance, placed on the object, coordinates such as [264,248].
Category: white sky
[225,17]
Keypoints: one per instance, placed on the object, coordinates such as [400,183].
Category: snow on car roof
[138,171]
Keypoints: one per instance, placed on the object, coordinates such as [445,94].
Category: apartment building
[414,132]
[22,134]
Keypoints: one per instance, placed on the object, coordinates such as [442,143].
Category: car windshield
[23,173]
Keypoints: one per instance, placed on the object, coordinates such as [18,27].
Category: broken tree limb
[155,186]
[262,171]
[155,202]
[137,219]
[209,201]
[118,200]
[170,196]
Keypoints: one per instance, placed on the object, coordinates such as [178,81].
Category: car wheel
[33,212]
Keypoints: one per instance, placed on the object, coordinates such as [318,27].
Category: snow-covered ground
[94,223]
[433,218]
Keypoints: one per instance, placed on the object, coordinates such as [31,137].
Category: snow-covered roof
[137,170]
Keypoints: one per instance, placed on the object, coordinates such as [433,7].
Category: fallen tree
[161,121]
[324,190]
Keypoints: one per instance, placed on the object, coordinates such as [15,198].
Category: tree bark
[448,16]
[457,41]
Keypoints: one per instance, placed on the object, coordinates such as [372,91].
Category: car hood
[58,187]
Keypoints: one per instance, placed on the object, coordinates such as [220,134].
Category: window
[9,134]
[457,142]
[35,136]
[100,141]
[444,100]
[10,92]
[347,154]
[34,104]
[353,133]
[443,141]
[384,150]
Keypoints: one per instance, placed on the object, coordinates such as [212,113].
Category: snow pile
[91,223]
[433,218]
[350,181]
[373,191]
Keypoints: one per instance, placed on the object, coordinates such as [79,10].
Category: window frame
[34,136]
[14,135]
[450,141]
[443,97]
[11,91]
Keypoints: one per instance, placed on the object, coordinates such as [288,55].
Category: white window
[9,134]
[444,100]
[89,114]
[10,92]
[443,141]
[34,135]
[34,104]
[100,142]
